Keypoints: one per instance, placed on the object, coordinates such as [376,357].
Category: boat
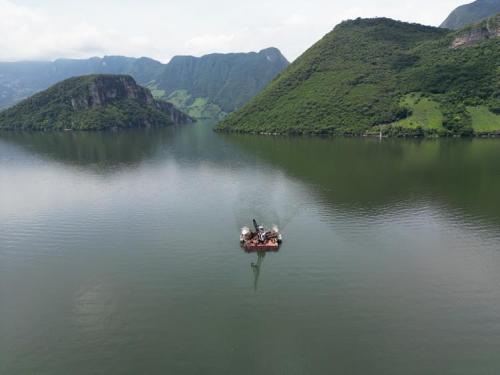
[260,239]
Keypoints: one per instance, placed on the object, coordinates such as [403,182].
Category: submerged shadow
[256,266]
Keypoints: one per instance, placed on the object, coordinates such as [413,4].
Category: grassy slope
[195,107]
[428,115]
[425,113]
[483,120]
[157,92]
[200,108]
[355,78]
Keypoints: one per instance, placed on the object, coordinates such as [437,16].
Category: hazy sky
[48,29]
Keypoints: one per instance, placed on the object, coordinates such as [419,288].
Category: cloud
[206,43]
[49,29]
[36,35]
[295,20]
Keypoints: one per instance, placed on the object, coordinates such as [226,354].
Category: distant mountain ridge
[471,13]
[230,80]
[92,102]
[219,83]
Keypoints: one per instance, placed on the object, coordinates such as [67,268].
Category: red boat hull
[253,246]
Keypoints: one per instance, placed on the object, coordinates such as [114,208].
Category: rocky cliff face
[105,89]
[486,30]
[176,116]
[92,103]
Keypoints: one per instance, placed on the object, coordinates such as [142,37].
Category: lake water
[119,254]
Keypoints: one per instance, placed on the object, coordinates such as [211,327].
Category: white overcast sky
[49,29]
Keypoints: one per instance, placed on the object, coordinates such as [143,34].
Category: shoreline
[365,135]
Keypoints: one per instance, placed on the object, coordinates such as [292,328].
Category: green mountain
[209,86]
[93,102]
[19,80]
[471,13]
[371,75]
[227,80]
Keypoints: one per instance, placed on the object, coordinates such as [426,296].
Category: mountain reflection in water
[119,253]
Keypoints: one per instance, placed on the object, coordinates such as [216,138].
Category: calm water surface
[119,254]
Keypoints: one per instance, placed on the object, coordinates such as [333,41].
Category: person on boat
[262,234]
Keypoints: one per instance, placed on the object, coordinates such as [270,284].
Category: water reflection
[368,175]
[110,151]
[94,149]
[352,175]
[256,267]
[139,267]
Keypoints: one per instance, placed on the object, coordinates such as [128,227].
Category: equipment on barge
[260,239]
